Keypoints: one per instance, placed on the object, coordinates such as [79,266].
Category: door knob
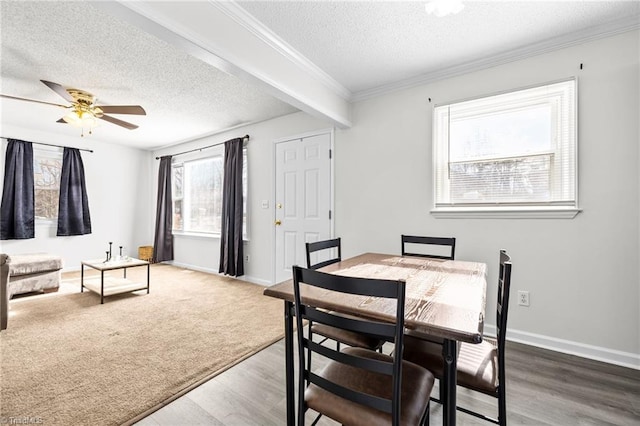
[278,222]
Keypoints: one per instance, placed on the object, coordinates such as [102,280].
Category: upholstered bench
[26,273]
[33,272]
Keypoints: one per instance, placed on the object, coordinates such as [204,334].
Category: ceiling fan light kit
[84,112]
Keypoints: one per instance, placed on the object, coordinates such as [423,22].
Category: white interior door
[302,199]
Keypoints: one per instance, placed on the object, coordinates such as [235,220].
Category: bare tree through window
[47,171]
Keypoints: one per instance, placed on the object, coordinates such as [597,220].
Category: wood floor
[543,388]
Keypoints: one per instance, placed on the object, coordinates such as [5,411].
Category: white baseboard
[598,353]
[246,278]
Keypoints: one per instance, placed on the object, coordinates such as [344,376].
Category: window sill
[505,212]
[195,234]
[201,235]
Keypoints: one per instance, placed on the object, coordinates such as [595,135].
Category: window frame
[217,153]
[520,210]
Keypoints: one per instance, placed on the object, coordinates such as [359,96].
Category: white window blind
[507,150]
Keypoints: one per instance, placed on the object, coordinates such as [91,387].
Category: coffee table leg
[101,287]
[82,278]
[148,275]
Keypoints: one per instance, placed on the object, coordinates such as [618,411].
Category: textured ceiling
[77,45]
[363,46]
[367,44]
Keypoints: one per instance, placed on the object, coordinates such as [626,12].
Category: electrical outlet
[246,258]
[523,298]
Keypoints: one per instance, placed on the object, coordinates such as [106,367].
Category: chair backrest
[324,245]
[434,241]
[504,287]
[305,310]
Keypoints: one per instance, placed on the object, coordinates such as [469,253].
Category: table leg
[288,353]
[450,379]
[82,278]
[148,276]
[125,273]
[101,287]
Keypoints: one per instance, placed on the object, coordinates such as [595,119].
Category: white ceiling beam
[226,37]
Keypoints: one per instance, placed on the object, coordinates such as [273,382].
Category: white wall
[118,189]
[582,273]
[204,253]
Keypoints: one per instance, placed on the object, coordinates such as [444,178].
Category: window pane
[47,170]
[178,223]
[203,192]
[513,180]
[177,178]
[502,133]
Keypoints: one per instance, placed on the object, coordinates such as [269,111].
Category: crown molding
[629,23]
[257,28]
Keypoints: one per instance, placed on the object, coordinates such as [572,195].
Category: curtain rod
[50,144]
[204,147]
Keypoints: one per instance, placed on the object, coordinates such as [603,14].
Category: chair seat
[477,363]
[417,384]
[347,337]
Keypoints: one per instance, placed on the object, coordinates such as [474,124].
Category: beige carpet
[67,360]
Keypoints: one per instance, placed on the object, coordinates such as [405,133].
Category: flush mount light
[442,8]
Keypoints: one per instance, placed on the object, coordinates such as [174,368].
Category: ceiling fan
[83,109]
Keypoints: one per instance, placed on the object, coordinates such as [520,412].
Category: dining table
[444,298]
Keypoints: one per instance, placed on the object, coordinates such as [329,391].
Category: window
[197,195]
[47,169]
[511,152]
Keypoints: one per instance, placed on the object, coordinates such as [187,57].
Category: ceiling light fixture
[442,8]
[79,117]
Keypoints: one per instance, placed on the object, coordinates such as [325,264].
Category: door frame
[331,132]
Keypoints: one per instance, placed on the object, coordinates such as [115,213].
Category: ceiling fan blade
[118,122]
[33,100]
[59,90]
[122,109]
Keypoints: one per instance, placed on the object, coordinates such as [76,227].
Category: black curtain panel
[17,211]
[73,205]
[163,241]
[231,251]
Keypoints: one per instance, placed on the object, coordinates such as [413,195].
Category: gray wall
[582,273]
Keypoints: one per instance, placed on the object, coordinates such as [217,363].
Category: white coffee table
[108,286]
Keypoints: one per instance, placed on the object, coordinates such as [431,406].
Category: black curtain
[163,241]
[17,211]
[73,206]
[231,252]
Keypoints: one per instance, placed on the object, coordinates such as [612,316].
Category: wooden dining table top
[444,298]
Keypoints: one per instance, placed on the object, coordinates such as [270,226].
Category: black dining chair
[436,248]
[349,338]
[358,386]
[332,249]
[481,367]
[449,242]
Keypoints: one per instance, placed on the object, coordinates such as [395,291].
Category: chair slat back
[502,310]
[433,241]
[504,286]
[321,246]
[304,279]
